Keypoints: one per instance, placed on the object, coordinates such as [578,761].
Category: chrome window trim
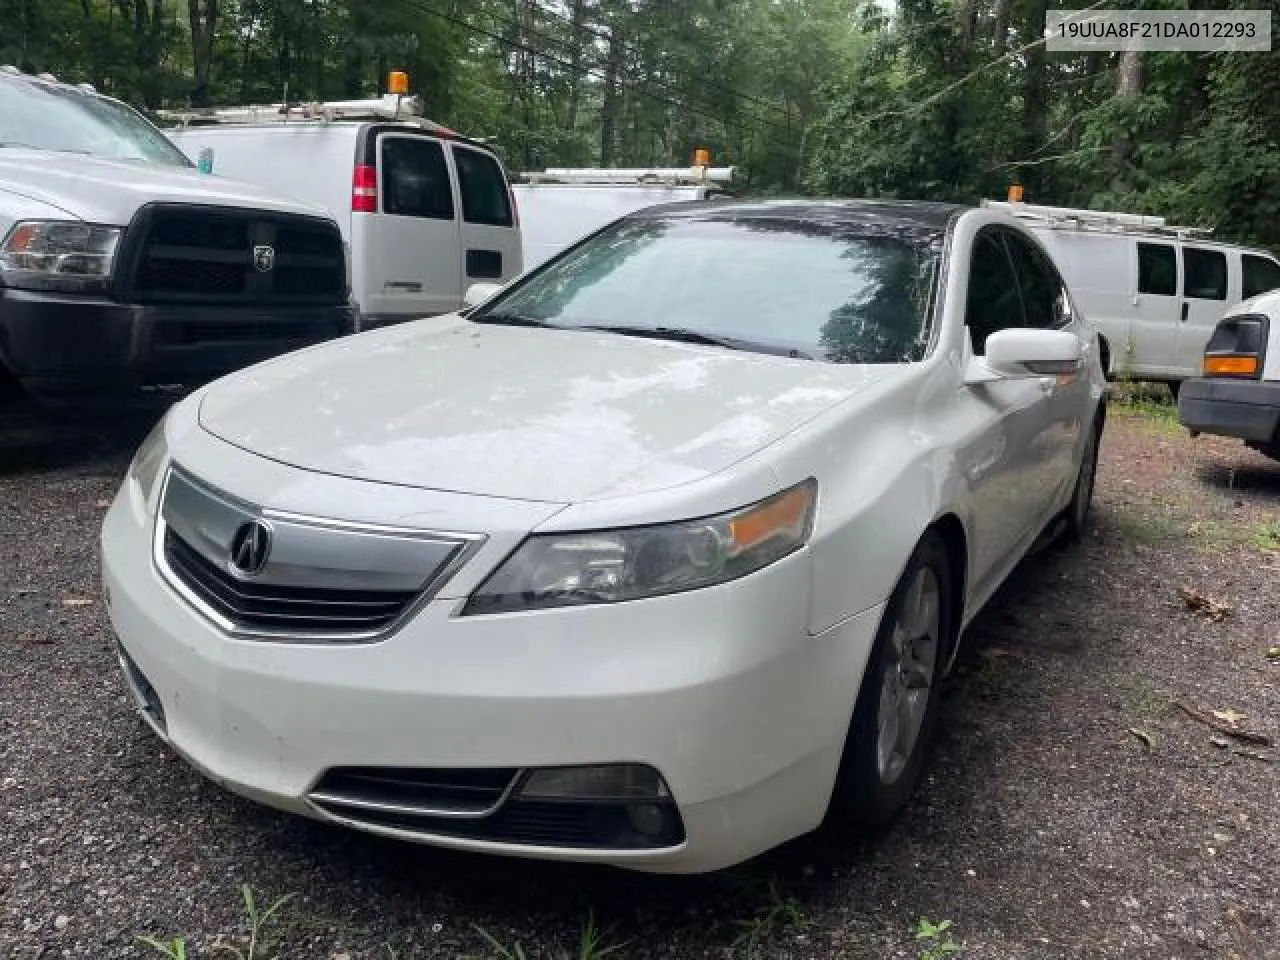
[469,544]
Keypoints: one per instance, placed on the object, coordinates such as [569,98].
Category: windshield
[47,117]
[840,292]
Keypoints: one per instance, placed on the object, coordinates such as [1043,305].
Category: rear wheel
[897,706]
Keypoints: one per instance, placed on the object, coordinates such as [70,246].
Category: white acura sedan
[655,558]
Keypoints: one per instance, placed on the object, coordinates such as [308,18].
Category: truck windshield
[811,288]
[44,116]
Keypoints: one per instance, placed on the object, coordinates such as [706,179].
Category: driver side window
[993,302]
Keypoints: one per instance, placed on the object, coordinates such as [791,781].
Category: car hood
[530,414]
[99,190]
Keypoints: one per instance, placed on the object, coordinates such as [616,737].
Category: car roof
[912,219]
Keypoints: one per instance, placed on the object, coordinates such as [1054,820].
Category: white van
[560,206]
[1155,292]
[425,212]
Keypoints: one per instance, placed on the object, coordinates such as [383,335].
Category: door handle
[1185,307]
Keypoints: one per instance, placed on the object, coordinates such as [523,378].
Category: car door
[1152,349]
[412,241]
[1047,305]
[1003,454]
[490,237]
[1205,286]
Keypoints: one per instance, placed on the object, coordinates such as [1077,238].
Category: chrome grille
[276,608]
[315,580]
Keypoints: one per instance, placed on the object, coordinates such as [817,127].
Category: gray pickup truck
[123,267]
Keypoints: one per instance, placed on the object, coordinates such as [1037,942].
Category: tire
[882,761]
[1077,517]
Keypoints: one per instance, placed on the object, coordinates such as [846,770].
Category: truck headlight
[608,566]
[56,255]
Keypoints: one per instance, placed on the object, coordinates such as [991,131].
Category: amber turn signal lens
[785,514]
[397,82]
[1230,366]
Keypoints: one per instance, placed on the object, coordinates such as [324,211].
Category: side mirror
[478,293]
[1019,352]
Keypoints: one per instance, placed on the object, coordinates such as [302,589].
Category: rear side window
[483,187]
[1157,269]
[1258,275]
[1042,294]
[993,303]
[415,178]
[1204,274]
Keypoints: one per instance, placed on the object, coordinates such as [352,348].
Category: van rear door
[411,243]
[491,250]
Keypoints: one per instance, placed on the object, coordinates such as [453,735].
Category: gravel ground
[1072,808]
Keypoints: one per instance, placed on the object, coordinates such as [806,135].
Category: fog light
[623,781]
[647,819]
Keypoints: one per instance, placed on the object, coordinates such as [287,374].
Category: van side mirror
[478,293]
[1019,352]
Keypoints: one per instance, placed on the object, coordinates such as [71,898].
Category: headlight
[568,569]
[148,461]
[74,257]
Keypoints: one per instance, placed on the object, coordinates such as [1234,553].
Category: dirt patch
[1071,808]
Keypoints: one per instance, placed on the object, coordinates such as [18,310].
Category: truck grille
[270,607]
[220,255]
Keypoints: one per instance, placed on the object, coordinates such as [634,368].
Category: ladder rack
[392,107]
[635,176]
[1068,218]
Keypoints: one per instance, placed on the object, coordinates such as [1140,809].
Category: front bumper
[1248,409]
[58,344]
[721,690]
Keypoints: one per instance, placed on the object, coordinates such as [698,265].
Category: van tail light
[515,208]
[364,189]
[1235,349]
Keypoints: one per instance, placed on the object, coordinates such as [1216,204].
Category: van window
[1157,269]
[993,303]
[415,178]
[1204,274]
[1042,295]
[1259,274]
[483,188]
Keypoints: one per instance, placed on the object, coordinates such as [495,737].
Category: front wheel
[1082,497]
[897,705]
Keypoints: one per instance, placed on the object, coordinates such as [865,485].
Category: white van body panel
[554,216]
[1149,335]
[402,267]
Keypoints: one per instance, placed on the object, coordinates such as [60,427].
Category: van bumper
[63,344]
[1247,409]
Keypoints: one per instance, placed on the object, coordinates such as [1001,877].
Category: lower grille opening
[147,699]
[268,607]
[356,796]
[413,792]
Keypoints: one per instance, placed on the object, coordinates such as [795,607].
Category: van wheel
[897,706]
[1104,356]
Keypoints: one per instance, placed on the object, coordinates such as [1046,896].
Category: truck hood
[99,190]
[518,413]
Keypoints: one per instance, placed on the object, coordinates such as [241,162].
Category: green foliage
[592,945]
[938,99]
[934,942]
[175,948]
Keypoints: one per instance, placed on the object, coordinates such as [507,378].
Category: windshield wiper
[514,320]
[685,335]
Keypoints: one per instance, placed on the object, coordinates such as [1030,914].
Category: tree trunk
[1129,84]
[204,26]
[1035,106]
[609,109]
[578,17]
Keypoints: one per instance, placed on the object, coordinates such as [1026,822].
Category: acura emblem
[249,548]
[264,258]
